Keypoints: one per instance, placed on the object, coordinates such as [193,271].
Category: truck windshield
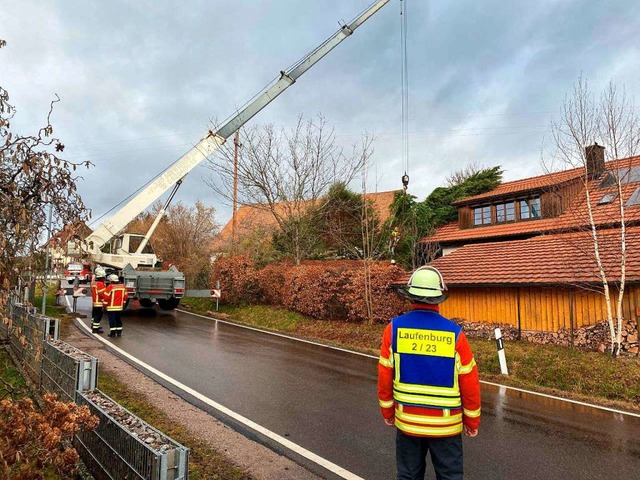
[134,243]
[112,246]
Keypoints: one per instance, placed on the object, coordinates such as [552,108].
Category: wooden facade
[531,308]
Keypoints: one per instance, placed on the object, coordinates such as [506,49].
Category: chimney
[594,156]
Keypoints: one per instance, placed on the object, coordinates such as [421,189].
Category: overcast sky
[141,80]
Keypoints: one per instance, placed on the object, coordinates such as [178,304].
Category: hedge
[319,289]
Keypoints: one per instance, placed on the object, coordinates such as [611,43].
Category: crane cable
[394,236]
[405,93]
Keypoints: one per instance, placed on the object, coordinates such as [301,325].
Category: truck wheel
[146,302]
[168,304]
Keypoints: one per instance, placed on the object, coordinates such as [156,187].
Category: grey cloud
[140,80]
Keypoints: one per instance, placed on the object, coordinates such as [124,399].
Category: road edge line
[486,382]
[294,447]
[576,402]
[278,334]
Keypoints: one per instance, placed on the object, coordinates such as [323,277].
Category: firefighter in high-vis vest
[428,386]
[97,299]
[115,298]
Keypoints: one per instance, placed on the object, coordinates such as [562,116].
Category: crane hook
[405,181]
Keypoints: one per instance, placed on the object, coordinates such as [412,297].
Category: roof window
[607,198]
[634,199]
[626,175]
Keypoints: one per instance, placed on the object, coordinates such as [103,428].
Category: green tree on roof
[418,219]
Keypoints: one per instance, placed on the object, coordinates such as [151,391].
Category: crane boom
[212,140]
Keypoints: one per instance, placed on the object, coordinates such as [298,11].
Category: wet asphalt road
[325,401]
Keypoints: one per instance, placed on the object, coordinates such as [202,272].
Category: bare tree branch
[287,172]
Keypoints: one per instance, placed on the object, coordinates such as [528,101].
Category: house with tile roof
[523,253]
[61,245]
[255,224]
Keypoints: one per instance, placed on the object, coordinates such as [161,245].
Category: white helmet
[426,285]
[99,272]
[113,278]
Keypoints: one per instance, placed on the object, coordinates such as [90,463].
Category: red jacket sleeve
[106,296]
[469,383]
[385,375]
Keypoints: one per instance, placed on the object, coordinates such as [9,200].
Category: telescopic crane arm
[213,140]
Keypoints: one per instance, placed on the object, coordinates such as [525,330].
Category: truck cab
[120,251]
[79,270]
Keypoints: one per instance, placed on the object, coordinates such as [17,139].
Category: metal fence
[26,332]
[112,452]
[67,370]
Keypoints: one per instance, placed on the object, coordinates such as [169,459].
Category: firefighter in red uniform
[97,298]
[115,298]
[428,384]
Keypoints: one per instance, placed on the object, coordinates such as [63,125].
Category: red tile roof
[546,259]
[574,217]
[527,184]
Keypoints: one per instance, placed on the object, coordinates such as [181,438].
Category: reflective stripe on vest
[426,365]
[426,431]
[96,289]
[115,296]
[445,425]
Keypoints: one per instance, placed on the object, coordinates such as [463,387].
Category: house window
[634,175]
[534,203]
[634,199]
[505,212]
[626,175]
[530,208]
[607,198]
[482,215]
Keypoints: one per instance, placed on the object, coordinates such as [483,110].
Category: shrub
[35,445]
[313,289]
[330,289]
[272,281]
[386,303]
[237,277]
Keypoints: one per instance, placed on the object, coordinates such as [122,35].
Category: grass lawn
[587,376]
[12,385]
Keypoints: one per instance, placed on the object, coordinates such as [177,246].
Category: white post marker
[501,355]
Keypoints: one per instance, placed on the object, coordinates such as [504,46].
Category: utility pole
[236,143]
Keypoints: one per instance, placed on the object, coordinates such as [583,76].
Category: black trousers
[115,322]
[411,453]
[96,315]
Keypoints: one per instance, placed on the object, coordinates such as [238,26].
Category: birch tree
[612,121]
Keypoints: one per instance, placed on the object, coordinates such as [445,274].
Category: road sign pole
[218,296]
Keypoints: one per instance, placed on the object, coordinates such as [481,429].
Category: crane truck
[132,256]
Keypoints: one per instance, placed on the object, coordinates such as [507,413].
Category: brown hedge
[386,303]
[237,277]
[272,280]
[319,289]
